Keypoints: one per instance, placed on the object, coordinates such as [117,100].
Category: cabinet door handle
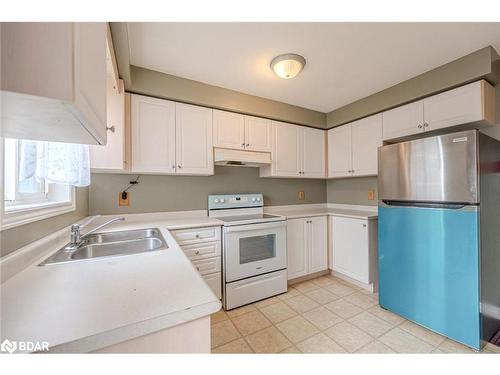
[364,225]
[426,125]
[420,126]
[197,252]
[197,268]
[173,166]
[243,145]
[248,144]
[197,236]
[110,128]
[179,166]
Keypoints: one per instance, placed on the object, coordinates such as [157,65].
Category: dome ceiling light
[288,65]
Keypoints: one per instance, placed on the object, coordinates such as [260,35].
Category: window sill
[25,214]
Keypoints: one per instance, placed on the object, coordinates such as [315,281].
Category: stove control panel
[227,201]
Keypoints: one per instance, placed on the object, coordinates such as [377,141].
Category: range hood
[240,158]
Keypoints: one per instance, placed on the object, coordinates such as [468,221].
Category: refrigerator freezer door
[429,268]
[435,169]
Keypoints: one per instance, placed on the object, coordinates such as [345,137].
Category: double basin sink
[110,244]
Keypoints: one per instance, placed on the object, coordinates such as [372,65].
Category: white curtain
[62,163]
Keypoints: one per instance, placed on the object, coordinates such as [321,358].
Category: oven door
[254,249]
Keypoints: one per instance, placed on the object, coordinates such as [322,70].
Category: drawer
[196,235]
[206,266]
[214,281]
[202,250]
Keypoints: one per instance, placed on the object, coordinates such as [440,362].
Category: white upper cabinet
[352,148]
[285,152]
[112,156]
[339,151]
[313,153]
[470,104]
[229,130]
[152,135]
[405,120]
[258,134]
[193,132]
[366,139]
[297,151]
[240,132]
[466,104]
[54,81]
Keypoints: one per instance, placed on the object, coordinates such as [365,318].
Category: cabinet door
[366,138]
[89,76]
[285,154]
[152,135]
[402,121]
[112,156]
[350,248]
[458,106]
[297,252]
[313,153]
[318,251]
[258,134]
[339,151]
[229,130]
[193,134]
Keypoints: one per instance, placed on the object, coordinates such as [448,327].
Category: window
[30,198]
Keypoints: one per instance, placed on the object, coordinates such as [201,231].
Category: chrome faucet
[76,236]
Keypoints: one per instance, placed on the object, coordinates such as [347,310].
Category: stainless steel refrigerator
[439,234]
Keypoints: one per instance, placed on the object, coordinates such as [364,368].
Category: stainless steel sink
[110,244]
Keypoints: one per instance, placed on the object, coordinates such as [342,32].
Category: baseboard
[369,287]
[297,280]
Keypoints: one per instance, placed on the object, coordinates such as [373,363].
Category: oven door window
[256,248]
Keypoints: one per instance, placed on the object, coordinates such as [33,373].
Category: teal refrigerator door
[429,268]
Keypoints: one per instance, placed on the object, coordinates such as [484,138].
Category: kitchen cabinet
[152,135]
[402,121]
[53,83]
[170,138]
[354,248]
[297,151]
[240,132]
[193,133]
[113,156]
[352,148]
[203,248]
[306,246]
[472,103]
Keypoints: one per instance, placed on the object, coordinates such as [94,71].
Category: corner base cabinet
[306,246]
[354,248]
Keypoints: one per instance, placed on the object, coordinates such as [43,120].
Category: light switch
[302,195]
[371,194]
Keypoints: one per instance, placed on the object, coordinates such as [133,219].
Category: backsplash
[180,193]
[352,190]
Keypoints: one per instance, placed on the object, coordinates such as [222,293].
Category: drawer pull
[197,236]
[197,268]
[197,252]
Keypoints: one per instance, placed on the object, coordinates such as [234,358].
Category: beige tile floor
[324,315]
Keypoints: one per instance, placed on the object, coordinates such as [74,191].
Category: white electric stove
[253,249]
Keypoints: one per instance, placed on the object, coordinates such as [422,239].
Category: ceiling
[345,61]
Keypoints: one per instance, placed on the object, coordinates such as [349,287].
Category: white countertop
[298,211]
[88,305]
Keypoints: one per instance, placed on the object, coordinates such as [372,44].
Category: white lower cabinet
[354,248]
[203,247]
[306,246]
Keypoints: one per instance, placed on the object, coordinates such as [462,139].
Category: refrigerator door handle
[450,206]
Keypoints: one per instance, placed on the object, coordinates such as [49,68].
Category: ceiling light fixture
[288,65]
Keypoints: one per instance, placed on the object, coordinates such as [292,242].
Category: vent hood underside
[240,158]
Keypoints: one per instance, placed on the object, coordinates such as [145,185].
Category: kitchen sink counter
[299,211]
[88,305]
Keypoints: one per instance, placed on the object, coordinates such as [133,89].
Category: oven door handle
[249,227]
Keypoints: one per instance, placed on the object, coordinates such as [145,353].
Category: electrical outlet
[371,194]
[302,195]
[124,198]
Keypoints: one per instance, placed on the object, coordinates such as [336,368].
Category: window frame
[32,207]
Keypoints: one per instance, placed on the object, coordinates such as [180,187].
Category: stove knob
[216,200]
[222,200]
[258,199]
[253,199]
